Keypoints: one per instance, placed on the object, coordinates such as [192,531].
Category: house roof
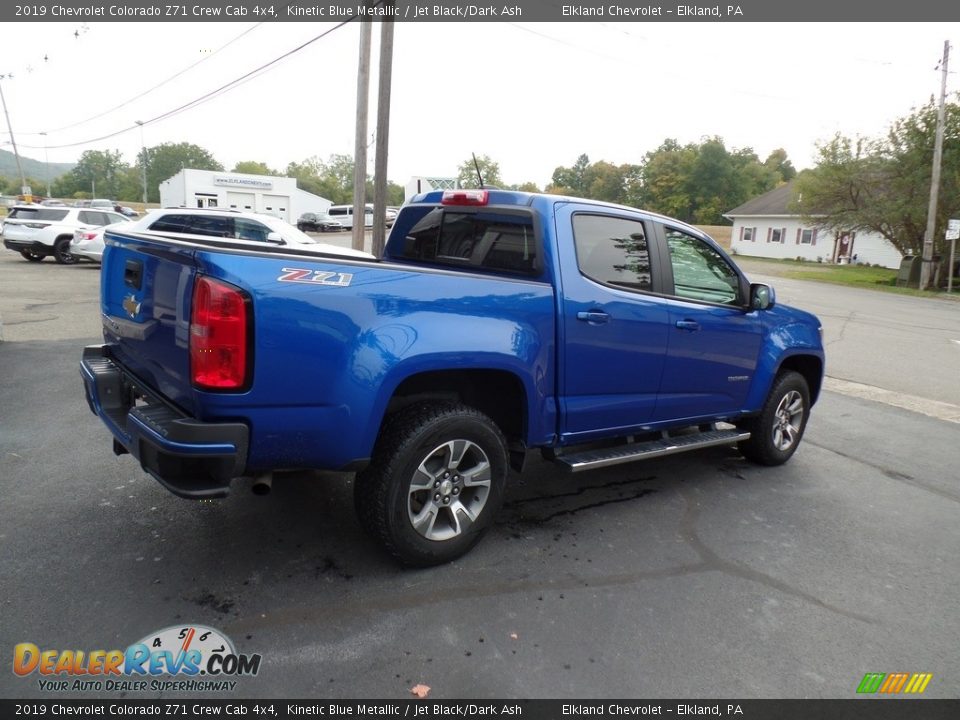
[774,202]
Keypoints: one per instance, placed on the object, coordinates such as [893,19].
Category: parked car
[128,211]
[318,222]
[243,228]
[344,213]
[87,243]
[36,231]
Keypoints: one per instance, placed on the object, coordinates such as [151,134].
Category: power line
[206,97]
[147,92]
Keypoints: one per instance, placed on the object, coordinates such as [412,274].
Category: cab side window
[700,272]
[613,251]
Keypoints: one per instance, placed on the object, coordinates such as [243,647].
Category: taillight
[464,197]
[220,356]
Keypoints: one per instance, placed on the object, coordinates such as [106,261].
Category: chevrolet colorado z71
[496,323]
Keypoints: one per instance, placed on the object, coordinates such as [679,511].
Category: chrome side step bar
[605,457]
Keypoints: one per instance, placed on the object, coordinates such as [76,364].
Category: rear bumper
[33,245]
[190,458]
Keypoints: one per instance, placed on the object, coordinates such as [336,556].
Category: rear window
[39,213]
[484,240]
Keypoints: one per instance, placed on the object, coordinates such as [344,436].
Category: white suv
[36,231]
[234,226]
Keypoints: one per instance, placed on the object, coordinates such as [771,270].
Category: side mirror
[275,238]
[762,296]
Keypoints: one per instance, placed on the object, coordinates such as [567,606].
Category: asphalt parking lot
[686,577]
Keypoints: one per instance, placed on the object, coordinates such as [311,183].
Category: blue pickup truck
[495,324]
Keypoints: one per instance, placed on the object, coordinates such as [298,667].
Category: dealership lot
[693,576]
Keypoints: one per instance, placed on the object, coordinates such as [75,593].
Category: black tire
[32,256]
[459,458]
[776,432]
[61,252]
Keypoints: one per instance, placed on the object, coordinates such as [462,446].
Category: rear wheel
[776,432]
[61,252]
[31,255]
[435,483]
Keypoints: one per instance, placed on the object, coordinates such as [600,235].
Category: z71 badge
[316,277]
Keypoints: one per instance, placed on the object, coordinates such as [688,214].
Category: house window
[806,237]
[747,234]
[776,235]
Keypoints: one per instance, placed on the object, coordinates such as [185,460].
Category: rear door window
[171,223]
[211,226]
[95,217]
[613,251]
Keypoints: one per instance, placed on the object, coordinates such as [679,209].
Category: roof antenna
[477,166]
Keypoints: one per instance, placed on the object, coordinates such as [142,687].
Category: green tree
[97,172]
[883,185]
[777,162]
[663,179]
[166,160]
[530,187]
[252,167]
[489,170]
[698,182]
[572,180]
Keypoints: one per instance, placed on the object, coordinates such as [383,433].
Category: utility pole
[927,259]
[360,145]
[383,135]
[143,163]
[24,189]
[46,162]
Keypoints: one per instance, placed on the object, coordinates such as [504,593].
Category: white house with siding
[766,227]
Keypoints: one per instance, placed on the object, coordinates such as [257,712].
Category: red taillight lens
[219,336]
[464,197]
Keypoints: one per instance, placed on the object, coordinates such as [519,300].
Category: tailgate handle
[133,274]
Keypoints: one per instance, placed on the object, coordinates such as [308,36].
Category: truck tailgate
[145,295]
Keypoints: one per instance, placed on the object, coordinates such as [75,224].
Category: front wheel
[776,432]
[31,255]
[435,483]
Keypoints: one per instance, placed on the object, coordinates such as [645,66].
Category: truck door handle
[690,325]
[593,316]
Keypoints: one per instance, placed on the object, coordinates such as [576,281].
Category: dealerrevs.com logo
[194,658]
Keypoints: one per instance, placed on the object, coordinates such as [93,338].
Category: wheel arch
[498,394]
[810,367]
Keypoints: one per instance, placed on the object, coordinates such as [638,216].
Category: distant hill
[36,169]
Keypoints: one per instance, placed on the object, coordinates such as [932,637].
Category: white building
[277,196]
[766,227]
[422,184]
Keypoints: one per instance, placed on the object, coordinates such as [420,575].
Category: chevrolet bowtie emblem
[131,305]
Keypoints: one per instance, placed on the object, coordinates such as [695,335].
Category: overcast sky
[531,96]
